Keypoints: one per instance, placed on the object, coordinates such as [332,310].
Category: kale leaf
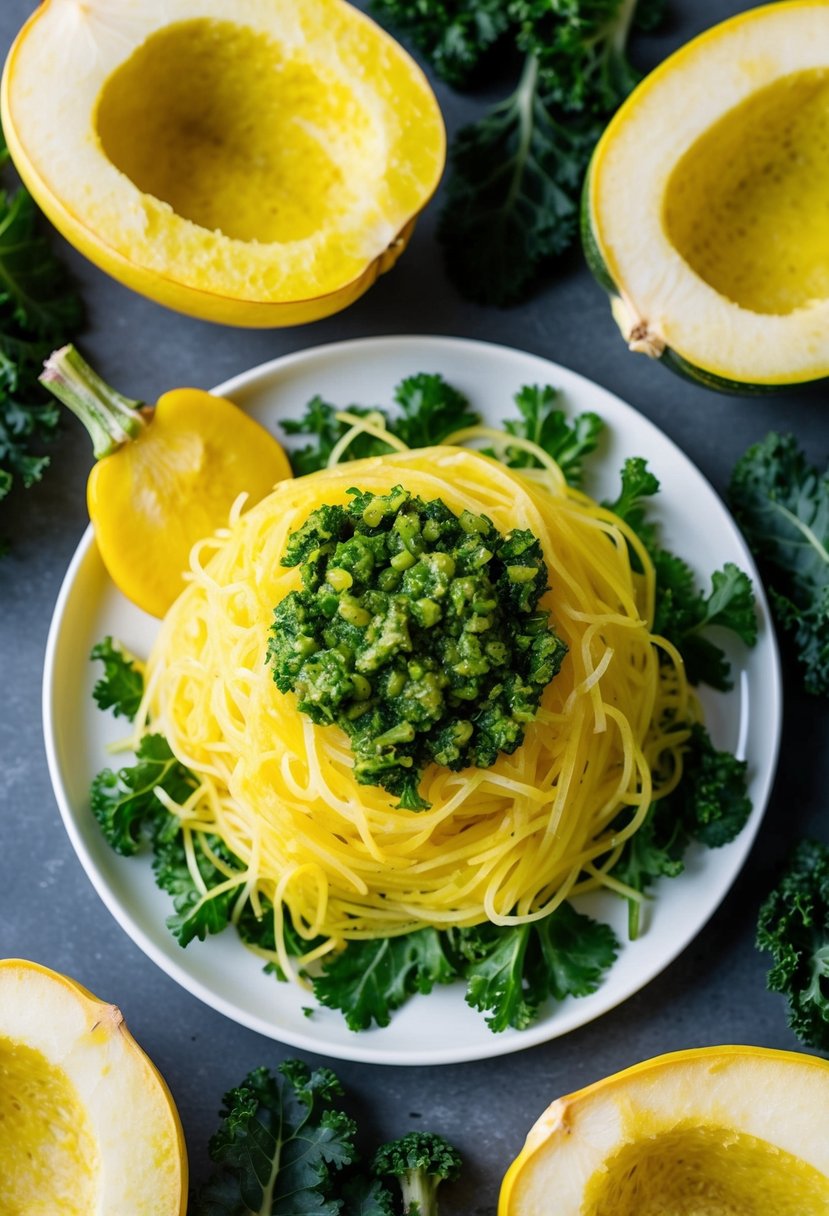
[682,612]
[581,48]
[122,685]
[282,1146]
[370,979]
[793,926]
[511,970]
[430,409]
[38,310]
[709,805]
[568,441]
[456,36]
[511,202]
[124,803]
[781,502]
[320,421]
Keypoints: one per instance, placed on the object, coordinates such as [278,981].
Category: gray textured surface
[714,993]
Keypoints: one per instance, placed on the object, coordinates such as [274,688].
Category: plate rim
[499,1044]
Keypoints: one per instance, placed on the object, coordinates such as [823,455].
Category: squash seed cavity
[705,1171]
[48,1155]
[747,206]
[237,133]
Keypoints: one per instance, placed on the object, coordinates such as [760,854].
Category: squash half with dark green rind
[706,205]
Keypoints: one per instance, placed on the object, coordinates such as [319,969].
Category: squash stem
[111,419]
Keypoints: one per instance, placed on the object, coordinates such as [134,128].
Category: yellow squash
[705,210]
[165,477]
[87,1124]
[252,162]
[716,1131]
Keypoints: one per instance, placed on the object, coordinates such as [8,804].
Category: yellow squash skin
[88,1126]
[718,1131]
[150,501]
[324,144]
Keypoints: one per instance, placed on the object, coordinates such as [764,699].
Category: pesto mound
[417,632]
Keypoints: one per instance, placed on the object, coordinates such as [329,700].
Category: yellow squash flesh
[706,203]
[719,1131]
[256,163]
[87,1125]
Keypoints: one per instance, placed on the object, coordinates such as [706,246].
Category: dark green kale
[581,48]
[124,803]
[794,927]
[38,310]
[456,36]
[511,970]
[284,1146]
[430,410]
[781,502]
[287,1147]
[370,979]
[682,612]
[417,632]
[709,805]
[512,197]
[420,1162]
[511,202]
[321,422]
[122,685]
[545,424]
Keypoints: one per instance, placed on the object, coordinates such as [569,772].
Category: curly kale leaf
[782,505]
[512,197]
[370,979]
[282,1147]
[581,47]
[456,36]
[793,926]
[511,970]
[568,441]
[683,613]
[710,805]
[321,422]
[38,309]
[430,410]
[121,687]
[125,804]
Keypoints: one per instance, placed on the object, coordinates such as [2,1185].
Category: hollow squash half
[706,209]
[87,1125]
[252,162]
[716,1131]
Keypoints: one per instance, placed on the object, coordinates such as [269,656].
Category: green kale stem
[110,418]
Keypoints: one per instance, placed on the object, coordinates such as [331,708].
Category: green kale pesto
[417,631]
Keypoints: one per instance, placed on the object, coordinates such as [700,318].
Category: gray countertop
[713,993]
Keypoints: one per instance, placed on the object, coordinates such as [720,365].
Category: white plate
[439,1028]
